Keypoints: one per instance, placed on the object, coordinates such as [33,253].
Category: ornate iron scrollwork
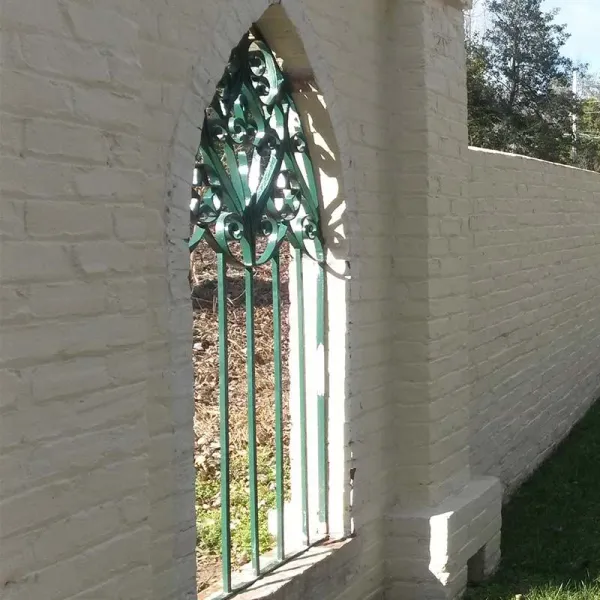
[254,184]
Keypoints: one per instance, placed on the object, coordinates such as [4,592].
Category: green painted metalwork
[252,459]
[322,402]
[254,184]
[302,393]
[254,189]
[278,373]
[224,424]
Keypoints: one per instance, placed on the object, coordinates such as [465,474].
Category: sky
[583,23]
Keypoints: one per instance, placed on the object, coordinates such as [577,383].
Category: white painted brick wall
[534,308]
[99,109]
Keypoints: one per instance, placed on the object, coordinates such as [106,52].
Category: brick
[133,584]
[71,298]
[13,303]
[69,459]
[125,72]
[69,339]
[121,184]
[67,220]
[72,60]
[128,367]
[511,322]
[106,28]
[25,261]
[36,15]
[55,138]
[110,558]
[127,295]
[97,257]
[12,220]
[108,109]
[165,64]
[55,416]
[52,179]
[69,378]
[12,141]
[80,531]
[12,388]
[28,94]
[130,223]
[124,150]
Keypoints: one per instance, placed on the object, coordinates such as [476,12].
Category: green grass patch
[208,515]
[551,528]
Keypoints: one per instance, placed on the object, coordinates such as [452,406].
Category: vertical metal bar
[224,423]
[278,372]
[302,391]
[252,458]
[321,401]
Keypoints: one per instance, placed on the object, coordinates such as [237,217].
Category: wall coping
[511,155]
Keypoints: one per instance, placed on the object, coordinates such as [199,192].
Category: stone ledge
[327,567]
[431,550]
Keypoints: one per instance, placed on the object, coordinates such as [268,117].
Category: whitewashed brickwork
[534,308]
[436,332]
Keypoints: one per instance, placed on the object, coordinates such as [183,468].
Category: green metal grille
[254,189]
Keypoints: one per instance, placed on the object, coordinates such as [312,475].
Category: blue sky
[583,23]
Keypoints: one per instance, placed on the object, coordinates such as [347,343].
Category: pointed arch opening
[265,208]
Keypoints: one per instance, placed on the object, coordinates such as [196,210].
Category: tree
[520,95]
[484,113]
[590,85]
[588,126]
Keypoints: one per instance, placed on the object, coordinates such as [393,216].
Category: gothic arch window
[255,216]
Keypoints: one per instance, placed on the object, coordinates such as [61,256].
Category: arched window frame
[254,188]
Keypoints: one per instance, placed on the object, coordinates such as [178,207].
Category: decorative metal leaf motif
[254,184]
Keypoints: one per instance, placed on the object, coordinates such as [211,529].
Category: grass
[208,518]
[551,529]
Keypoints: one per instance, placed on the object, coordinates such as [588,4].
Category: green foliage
[208,519]
[484,112]
[588,137]
[519,85]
